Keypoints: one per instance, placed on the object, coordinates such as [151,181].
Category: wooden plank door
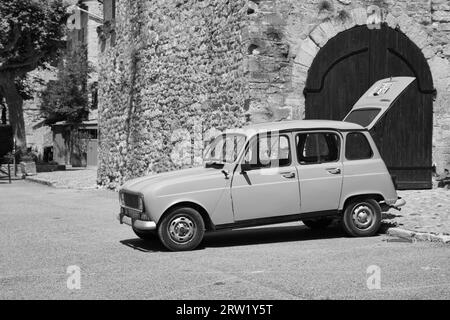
[348,65]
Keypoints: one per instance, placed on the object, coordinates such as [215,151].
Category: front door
[269,186]
[320,170]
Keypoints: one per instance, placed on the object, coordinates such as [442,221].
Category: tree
[66,98]
[31,35]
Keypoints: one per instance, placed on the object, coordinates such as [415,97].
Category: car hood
[172,177]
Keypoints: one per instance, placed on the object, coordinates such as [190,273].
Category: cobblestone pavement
[72,178]
[425,211]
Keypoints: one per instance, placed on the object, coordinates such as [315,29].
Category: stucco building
[191,65]
[39,136]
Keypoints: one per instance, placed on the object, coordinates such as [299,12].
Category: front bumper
[137,224]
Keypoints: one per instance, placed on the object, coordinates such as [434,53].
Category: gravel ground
[425,210]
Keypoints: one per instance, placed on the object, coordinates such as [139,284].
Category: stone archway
[339,61]
[307,49]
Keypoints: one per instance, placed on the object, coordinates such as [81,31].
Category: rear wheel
[146,235]
[320,223]
[362,218]
[182,229]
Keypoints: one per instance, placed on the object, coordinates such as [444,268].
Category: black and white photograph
[224,156]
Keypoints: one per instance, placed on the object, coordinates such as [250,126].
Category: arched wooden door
[348,65]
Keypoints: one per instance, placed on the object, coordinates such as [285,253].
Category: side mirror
[245,167]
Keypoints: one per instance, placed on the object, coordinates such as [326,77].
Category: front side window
[268,151]
[225,148]
[357,147]
[317,147]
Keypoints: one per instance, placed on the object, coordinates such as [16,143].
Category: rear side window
[357,147]
[317,147]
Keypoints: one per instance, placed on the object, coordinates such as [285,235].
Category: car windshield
[225,148]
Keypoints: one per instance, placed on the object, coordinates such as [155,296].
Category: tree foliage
[66,98]
[31,35]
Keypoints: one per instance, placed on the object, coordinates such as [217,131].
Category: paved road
[44,230]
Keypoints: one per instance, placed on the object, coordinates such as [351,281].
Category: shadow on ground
[245,237]
[4,180]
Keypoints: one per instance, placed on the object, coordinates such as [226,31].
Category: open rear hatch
[376,101]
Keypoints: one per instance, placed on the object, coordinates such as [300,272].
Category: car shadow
[245,237]
[389,215]
[262,235]
[144,245]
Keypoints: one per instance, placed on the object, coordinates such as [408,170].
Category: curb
[40,181]
[54,185]
[418,236]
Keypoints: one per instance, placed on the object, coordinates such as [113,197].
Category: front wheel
[362,218]
[182,229]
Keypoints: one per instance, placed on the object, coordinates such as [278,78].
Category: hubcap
[363,216]
[181,229]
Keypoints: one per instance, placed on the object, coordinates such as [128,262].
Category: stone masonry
[233,62]
[176,67]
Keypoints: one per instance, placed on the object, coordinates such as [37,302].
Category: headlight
[121,198]
[140,204]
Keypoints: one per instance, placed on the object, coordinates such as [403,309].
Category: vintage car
[312,171]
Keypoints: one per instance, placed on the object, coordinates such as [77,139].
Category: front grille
[132,214]
[132,201]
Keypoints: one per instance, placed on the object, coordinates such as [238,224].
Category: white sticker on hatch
[384,87]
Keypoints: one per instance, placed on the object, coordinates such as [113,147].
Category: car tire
[146,235]
[182,229]
[362,218]
[320,223]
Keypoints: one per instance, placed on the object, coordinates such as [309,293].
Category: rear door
[376,101]
[319,169]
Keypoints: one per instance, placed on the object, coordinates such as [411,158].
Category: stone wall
[284,36]
[233,62]
[175,71]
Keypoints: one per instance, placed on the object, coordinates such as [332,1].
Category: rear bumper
[399,203]
[137,224]
[392,204]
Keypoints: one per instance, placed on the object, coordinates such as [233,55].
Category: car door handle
[333,170]
[288,175]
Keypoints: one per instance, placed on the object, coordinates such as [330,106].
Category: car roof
[302,125]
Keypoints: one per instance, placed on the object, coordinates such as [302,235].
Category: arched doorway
[348,65]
